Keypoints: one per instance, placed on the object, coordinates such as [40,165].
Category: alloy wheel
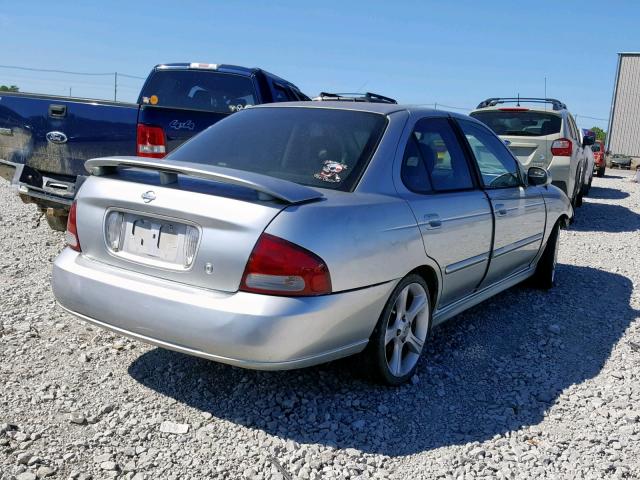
[406,329]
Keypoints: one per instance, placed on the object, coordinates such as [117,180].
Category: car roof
[225,68]
[381,108]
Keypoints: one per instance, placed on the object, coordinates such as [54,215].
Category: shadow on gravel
[607,193]
[605,217]
[496,368]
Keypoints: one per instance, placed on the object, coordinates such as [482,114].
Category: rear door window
[520,123]
[434,160]
[199,90]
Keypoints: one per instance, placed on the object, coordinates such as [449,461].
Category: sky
[453,53]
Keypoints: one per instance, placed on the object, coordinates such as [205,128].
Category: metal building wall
[624,120]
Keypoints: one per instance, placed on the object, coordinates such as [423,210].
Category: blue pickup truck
[45,140]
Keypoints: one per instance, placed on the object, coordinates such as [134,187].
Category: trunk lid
[170,211]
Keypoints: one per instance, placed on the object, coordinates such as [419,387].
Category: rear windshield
[198,89]
[525,123]
[311,146]
[595,147]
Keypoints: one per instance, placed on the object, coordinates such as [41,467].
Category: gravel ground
[526,385]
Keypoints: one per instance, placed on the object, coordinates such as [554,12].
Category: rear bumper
[243,329]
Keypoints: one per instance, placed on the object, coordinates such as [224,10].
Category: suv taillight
[562,147]
[279,267]
[150,141]
[71,235]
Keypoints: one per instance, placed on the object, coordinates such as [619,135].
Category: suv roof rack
[492,102]
[354,97]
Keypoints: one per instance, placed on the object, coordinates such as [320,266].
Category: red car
[598,157]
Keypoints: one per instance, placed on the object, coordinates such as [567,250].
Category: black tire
[373,361]
[600,172]
[578,200]
[56,223]
[545,276]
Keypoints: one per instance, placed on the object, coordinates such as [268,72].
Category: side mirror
[538,176]
[588,140]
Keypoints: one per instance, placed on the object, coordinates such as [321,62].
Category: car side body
[467,244]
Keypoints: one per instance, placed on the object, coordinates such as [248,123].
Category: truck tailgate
[55,135]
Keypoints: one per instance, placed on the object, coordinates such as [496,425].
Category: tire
[392,354]
[544,277]
[600,172]
[578,200]
[57,223]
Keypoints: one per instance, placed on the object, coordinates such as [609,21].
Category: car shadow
[496,368]
[607,193]
[605,217]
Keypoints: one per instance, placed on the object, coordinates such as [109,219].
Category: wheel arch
[430,276]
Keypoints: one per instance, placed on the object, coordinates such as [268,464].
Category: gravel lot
[526,385]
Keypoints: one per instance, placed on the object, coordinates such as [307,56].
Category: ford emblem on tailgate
[56,137]
[149,196]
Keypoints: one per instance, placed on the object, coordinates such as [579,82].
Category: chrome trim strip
[516,245]
[469,262]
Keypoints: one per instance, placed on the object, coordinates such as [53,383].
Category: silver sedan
[290,235]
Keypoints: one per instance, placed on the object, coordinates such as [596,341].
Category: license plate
[159,241]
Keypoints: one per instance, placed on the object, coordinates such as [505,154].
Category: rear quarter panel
[365,239]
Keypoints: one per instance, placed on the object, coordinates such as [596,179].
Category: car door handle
[433,220]
[500,209]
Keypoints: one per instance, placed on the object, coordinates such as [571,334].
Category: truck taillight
[279,267]
[562,147]
[151,141]
[71,235]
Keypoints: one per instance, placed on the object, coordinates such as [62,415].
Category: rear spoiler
[269,187]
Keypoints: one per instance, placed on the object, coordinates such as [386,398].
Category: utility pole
[69,91]
[115,86]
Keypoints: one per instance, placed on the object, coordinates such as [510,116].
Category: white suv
[543,135]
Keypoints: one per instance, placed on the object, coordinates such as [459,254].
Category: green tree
[600,133]
[11,88]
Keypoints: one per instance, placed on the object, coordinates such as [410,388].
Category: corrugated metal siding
[624,132]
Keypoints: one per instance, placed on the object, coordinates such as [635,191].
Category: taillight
[151,141]
[562,147]
[71,235]
[279,267]
[514,109]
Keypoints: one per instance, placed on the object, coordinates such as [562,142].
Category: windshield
[318,147]
[198,89]
[520,123]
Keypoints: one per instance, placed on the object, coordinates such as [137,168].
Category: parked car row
[294,232]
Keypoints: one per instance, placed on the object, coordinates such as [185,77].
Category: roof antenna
[518,99]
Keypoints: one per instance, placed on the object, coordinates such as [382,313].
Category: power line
[48,70]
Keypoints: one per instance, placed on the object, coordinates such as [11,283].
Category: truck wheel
[544,277]
[600,172]
[57,223]
[394,348]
